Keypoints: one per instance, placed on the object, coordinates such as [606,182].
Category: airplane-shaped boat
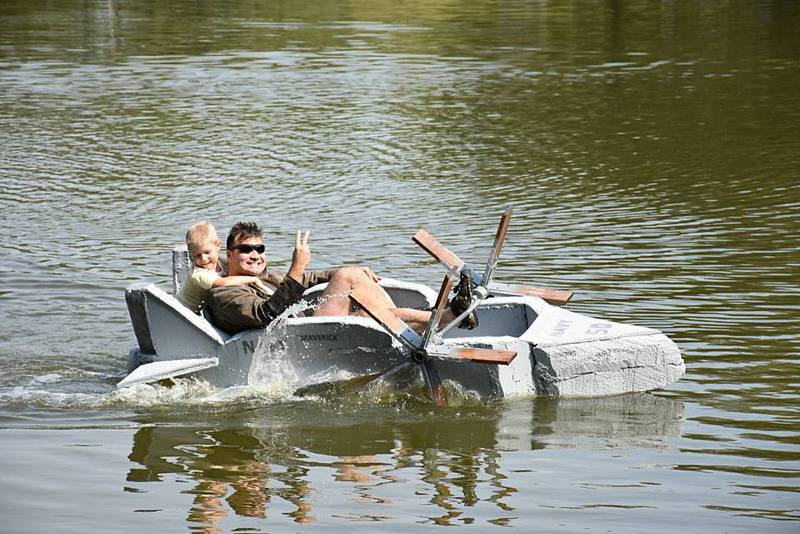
[523,345]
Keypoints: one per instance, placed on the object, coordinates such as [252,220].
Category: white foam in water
[270,371]
[64,388]
[331,374]
[230,394]
[42,397]
[46,379]
[182,390]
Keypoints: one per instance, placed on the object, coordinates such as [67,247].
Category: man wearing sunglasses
[251,306]
[237,308]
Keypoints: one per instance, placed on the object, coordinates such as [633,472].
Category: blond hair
[199,233]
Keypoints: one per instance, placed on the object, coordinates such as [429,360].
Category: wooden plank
[439,252]
[558,297]
[500,236]
[499,239]
[434,383]
[500,357]
[438,309]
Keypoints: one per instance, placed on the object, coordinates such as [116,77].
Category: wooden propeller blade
[433,383]
[558,297]
[400,330]
[499,239]
[438,309]
[500,357]
[500,236]
[441,253]
[395,326]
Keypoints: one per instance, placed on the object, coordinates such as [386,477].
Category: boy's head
[203,244]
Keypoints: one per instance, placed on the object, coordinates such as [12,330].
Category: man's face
[243,260]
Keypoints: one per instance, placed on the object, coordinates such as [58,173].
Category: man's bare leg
[416,319]
[335,299]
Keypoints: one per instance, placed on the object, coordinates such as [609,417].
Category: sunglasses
[244,248]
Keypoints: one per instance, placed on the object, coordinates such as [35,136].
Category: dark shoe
[462,300]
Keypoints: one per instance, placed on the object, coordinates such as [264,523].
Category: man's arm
[310,278]
[300,260]
[237,308]
[236,281]
[301,257]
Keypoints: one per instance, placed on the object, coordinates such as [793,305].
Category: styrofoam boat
[558,352]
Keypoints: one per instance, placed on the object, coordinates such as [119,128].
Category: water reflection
[260,465]
[230,469]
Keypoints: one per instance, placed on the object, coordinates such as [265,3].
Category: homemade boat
[522,346]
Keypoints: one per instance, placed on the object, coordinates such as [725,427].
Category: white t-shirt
[194,290]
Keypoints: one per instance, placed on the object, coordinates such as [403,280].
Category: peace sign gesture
[301,256]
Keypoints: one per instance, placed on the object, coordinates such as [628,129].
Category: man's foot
[462,300]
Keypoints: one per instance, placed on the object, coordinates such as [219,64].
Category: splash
[272,379]
[271,371]
[179,391]
[53,386]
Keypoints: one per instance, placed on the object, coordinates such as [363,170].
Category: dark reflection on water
[245,463]
[650,152]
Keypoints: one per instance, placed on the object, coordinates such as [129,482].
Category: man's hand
[301,256]
[302,252]
[374,277]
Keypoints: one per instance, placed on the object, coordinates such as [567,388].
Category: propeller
[447,258]
[420,350]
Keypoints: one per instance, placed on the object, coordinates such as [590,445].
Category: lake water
[651,151]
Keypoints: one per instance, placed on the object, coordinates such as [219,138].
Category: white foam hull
[558,352]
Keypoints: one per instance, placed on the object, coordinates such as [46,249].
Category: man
[237,308]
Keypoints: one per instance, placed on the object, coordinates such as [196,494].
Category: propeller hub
[419,356]
[481,292]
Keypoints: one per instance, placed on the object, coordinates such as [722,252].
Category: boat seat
[181,267]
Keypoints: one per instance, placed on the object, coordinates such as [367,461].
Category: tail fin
[167,329]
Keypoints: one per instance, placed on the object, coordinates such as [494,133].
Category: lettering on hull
[319,337]
[599,328]
[560,328]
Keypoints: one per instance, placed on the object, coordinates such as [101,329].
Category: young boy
[204,245]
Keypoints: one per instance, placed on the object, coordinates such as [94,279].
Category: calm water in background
[651,153]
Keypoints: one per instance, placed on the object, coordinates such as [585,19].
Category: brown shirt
[237,308]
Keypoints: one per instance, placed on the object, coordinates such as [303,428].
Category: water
[650,151]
